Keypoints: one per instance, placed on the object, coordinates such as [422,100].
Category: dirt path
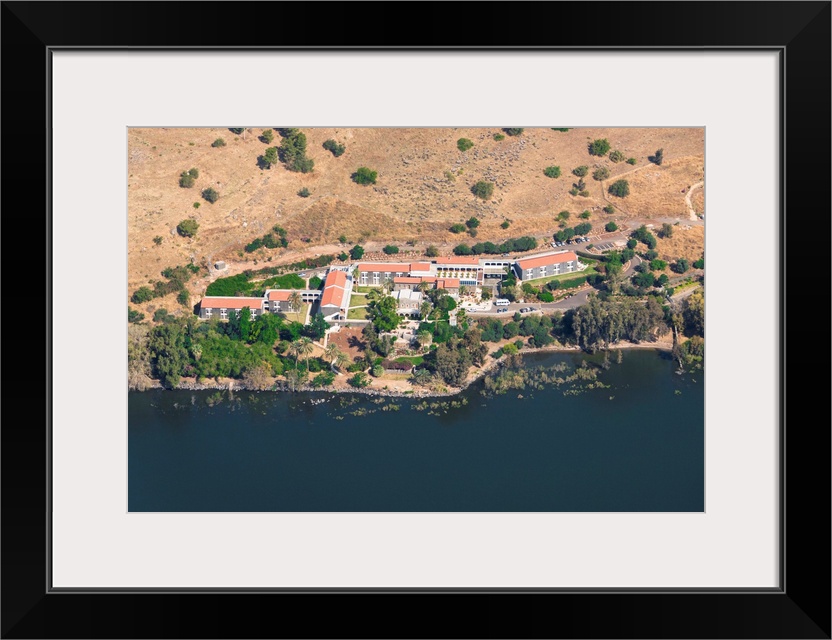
[691,212]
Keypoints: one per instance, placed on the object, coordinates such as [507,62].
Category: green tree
[210,195]
[183,298]
[666,231]
[463,144]
[699,264]
[292,152]
[601,173]
[599,147]
[513,131]
[680,266]
[610,227]
[462,250]
[382,314]
[333,147]
[270,157]
[359,380]
[658,158]
[304,193]
[357,252]
[619,188]
[316,329]
[616,156]
[390,249]
[472,222]
[581,171]
[219,142]
[585,215]
[505,224]
[364,175]
[267,136]
[457,228]
[658,265]
[632,243]
[483,190]
[499,136]
[552,172]
[187,228]
[631,160]
[187,178]
[432,251]
[134,316]
[583,228]
[609,209]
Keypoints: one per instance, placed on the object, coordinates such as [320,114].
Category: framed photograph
[394,193]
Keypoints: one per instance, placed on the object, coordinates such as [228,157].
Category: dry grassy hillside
[424,185]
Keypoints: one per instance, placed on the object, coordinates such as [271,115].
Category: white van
[501,302]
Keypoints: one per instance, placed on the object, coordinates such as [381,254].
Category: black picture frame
[799,608]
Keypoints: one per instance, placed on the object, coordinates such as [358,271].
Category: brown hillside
[423,187]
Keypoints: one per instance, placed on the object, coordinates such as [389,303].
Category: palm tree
[305,347]
[374,294]
[295,350]
[331,351]
[425,308]
[423,286]
[424,338]
[341,360]
[295,301]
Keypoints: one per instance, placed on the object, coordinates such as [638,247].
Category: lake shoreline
[231,384]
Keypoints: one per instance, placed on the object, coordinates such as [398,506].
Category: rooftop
[219,302]
[545,260]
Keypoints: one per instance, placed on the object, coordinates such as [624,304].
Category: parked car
[303,275]
[502,310]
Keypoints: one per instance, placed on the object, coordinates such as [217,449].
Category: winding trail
[691,212]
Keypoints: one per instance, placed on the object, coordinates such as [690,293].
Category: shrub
[134,316]
[631,160]
[620,188]
[472,233]
[364,175]
[546,296]
[219,142]
[357,252]
[315,282]
[513,131]
[343,256]
[631,243]
[210,195]
[699,264]
[472,222]
[267,137]
[457,228]
[564,215]
[187,178]
[236,130]
[666,231]
[574,191]
[572,282]
[196,205]
[157,240]
[499,136]
[561,129]
[463,144]
[335,148]
[585,215]
[584,194]
[377,371]
[599,147]
[680,266]
[187,228]
[359,380]
[581,171]
[142,294]
[644,279]
[552,172]
[323,379]
[659,265]
[183,298]
[616,156]
[658,158]
[254,245]
[601,173]
[611,226]
[462,250]
[483,190]
[390,249]
[304,193]
[160,315]
[609,209]
[583,228]
[505,224]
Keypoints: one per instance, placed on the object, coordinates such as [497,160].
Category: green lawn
[357,299]
[358,289]
[357,314]
[414,360]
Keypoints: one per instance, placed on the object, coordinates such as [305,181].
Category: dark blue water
[636,446]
